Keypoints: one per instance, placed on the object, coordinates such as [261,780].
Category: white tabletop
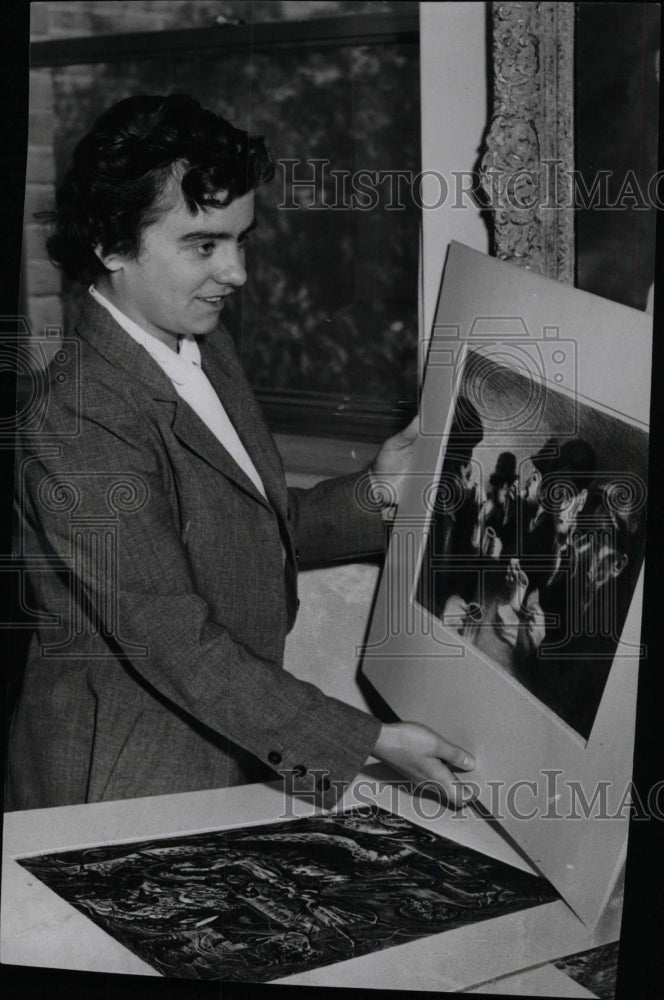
[39,928]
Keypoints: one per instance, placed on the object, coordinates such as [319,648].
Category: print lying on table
[258,903]
[536,544]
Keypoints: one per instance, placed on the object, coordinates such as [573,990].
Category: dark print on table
[534,550]
[596,969]
[259,903]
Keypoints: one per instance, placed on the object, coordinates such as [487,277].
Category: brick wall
[41,281]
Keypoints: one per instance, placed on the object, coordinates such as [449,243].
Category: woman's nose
[229,265]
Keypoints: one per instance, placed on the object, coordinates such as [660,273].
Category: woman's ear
[111,261]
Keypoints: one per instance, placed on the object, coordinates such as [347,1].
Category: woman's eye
[205,249]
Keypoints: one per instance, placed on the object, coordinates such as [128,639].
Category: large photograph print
[509,612]
[536,541]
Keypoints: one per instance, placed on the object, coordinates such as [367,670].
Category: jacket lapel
[223,368]
[196,436]
[99,329]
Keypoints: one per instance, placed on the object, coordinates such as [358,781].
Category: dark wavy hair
[119,170]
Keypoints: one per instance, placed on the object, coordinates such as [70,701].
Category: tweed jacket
[157,572]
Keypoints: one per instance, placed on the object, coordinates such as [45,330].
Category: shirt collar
[176,366]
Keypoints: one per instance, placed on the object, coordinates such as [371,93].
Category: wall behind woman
[453,62]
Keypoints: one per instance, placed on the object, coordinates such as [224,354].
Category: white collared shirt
[191,384]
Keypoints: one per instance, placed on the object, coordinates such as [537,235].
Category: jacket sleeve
[145,603]
[336,519]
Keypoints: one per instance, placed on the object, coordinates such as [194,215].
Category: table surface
[507,954]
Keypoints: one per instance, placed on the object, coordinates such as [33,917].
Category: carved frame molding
[527,167]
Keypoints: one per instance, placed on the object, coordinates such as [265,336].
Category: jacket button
[299,770]
[323,784]
[274,757]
